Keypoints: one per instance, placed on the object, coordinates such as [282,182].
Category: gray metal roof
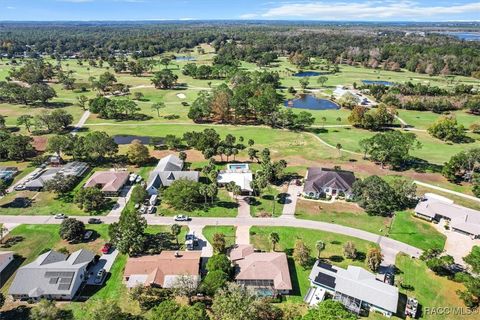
[51,273]
[358,283]
[74,168]
[167,171]
[319,178]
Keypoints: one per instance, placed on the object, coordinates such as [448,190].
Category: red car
[106,248]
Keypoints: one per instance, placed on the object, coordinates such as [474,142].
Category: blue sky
[362,10]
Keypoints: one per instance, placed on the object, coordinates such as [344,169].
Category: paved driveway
[243,208]
[203,244]
[242,235]
[291,200]
[122,201]
[105,262]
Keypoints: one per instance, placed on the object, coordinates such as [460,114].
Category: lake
[308,74]
[127,139]
[185,58]
[378,82]
[311,103]
[467,36]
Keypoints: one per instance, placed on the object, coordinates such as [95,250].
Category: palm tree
[203,191]
[339,148]
[320,245]
[212,191]
[324,120]
[157,106]
[274,239]
[236,190]
[175,229]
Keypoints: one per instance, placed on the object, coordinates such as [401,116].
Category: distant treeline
[375,46]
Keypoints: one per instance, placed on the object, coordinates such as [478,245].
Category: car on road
[87,235]
[20,187]
[106,248]
[94,221]
[100,275]
[60,216]
[182,217]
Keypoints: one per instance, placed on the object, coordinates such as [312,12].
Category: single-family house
[52,275]
[5,258]
[162,270]
[109,182]
[266,273]
[7,173]
[72,169]
[322,181]
[239,173]
[168,170]
[460,219]
[356,288]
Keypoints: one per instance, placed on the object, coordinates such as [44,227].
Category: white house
[5,258]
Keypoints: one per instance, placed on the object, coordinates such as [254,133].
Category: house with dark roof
[168,170]
[356,288]
[322,181]
[267,273]
[53,275]
[162,270]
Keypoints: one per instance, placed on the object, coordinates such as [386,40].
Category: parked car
[190,241]
[100,275]
[20,187]
[142,209]
[94,221]
[150,209]
[60,216]
[138,179]
[88,234]
[132,177]
[182,217]
[106,248]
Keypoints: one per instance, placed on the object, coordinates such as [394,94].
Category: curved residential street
[387,244]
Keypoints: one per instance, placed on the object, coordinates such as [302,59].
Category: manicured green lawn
[333,251]
[423,119]
[268,203]
[430,290]
[225,206]
[344,213]
[416,232]
[228,231]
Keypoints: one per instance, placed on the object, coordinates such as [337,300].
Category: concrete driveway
[242,235]
[203,244]
[122,201]
[105,262]
[459,245]
[291,200]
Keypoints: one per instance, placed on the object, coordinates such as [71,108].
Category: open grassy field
[228,231]
[423,119]
[269,203]
[333,251]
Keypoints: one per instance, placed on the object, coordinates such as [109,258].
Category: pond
[467,36]
[308,74]
[127,139]
[185,58]
[311,103]
[378,82]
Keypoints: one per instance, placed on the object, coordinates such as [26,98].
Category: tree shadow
[336,258]
[18,313]
[10,269]
[294,276]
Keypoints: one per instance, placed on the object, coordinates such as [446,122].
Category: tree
[274,239]
[60,183]
[320,246]
[2,300]
[234,302]
[90,199]
[213,281]
[266,310]
[374,258]
[164,79]
[219,243]
[447,129]
[3,187]
[183,195]
[473,259]
[107,309]
[139,194]
[348,100]
[329,310]
[128,235]
[137,153]
[47,310]
[71,229]
[301,253]
[17,147]
[349,250]
[26,120]
[375,195]
[219,262]
[175,229]
[169,309]
[440,265]
[157,106]
[339,148]
[185,286]
[304,82]
[149,296]
[82,101]
[321,80]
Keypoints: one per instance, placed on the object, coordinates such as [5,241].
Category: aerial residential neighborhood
[247,160]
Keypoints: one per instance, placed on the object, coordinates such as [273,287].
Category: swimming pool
[310,102]
[237,166]
[378,82]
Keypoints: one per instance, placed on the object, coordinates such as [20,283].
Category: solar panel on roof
[65,280]
[326,266]
[64,286]
[53,280]
[325,279]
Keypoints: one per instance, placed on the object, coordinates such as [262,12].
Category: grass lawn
[423,119]
[344,213]
[333,251]
[225,206]
[228,231]
[430,290]
[416,232]
[267,204]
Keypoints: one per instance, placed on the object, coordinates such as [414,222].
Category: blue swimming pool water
[184,58]
[237,166]
[378,82]
[311,103]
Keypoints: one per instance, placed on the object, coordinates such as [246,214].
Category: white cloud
[369,10]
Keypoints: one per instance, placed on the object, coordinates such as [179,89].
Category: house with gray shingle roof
[168,170]
[322,181]
[52,275]
[356,288]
